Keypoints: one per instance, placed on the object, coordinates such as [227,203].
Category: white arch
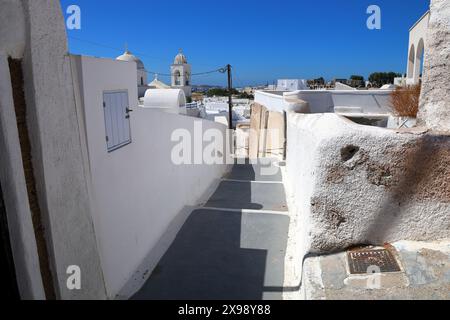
[417,43]
[418,61]
[411,61]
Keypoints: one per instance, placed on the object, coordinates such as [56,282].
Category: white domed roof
[128,56]
[180,59]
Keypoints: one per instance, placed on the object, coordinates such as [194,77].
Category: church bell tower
[181,74]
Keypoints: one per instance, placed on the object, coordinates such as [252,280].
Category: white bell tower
[181,74]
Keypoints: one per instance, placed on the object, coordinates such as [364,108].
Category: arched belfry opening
[177,78]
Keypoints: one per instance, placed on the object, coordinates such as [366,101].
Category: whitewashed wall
[140,197]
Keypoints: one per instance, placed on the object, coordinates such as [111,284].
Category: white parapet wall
[352,184]
[140,197]
[363,102]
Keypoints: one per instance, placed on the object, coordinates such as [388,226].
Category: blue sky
[262,40]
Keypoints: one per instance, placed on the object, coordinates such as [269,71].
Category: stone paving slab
[247,195]
[255,172]
[222,255]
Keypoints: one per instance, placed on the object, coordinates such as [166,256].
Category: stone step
[258,170]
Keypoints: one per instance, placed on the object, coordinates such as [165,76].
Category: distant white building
[157,84]
[400,81]
[181,74]
[141,72]
[292,84]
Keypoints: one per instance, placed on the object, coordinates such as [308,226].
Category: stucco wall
[12,180]
[355,184]
[434,110]
[140,197]
[12,28]
[34,31]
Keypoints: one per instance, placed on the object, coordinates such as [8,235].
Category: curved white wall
[170,100]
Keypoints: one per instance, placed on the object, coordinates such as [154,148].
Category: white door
[117,119]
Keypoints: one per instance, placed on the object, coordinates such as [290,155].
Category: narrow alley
[232,248]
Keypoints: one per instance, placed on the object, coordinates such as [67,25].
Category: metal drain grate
[363,261]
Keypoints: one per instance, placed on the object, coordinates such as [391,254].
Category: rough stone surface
[434,111]
[354,184]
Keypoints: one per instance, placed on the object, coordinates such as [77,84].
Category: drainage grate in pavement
[367,261]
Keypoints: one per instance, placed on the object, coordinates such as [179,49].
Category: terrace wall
[325,101]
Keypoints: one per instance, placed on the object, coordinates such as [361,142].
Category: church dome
[180,59]
[128,56]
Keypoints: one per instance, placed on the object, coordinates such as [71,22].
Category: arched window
[411,60]
[142,81]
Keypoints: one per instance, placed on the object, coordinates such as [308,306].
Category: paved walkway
[233,248]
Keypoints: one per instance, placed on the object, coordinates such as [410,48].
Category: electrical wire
[218,70]
[221,70]
[113,48]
